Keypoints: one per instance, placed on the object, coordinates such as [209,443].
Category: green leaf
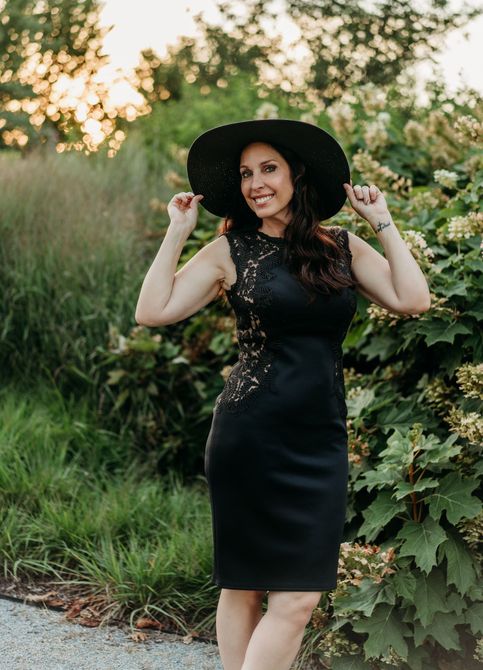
[461,571]
[380,477]
[474,617]
[349,663]
[114,376]
[441,331]
[399,451]
[421,540]
[441,629]
[416,657]
[435,451]
[454,497]
[364,597]
[379,513]
[404,489]
[454,287]
[404,584]
[359,402]
[385,629]
[431,596]
[456,603]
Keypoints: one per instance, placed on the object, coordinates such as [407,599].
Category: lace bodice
[269,304]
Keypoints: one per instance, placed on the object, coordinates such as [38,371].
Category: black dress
[276,458]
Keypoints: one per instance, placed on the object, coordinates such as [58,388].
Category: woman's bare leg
[237,615]
[276,640]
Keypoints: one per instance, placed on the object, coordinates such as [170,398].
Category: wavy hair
[312,254]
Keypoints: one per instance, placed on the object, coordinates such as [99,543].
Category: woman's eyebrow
[262,163]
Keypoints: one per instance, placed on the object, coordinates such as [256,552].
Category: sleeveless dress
[276,459]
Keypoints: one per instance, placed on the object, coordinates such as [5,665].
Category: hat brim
[213,161]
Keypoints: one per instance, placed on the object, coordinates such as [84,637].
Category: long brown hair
[311,252]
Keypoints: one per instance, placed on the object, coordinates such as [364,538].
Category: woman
[276,455]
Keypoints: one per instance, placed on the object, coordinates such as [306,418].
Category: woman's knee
[297,606]
[247,596]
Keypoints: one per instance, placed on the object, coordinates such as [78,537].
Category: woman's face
[264,172]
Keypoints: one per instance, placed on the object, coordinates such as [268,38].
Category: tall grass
[76,503]
[70,258]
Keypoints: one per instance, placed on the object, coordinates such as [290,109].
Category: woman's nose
[257,181]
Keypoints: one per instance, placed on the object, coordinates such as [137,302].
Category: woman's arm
[168,296]
[395,282]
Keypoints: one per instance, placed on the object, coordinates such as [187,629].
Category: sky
[157,23]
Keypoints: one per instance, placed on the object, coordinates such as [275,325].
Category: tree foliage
[42,42]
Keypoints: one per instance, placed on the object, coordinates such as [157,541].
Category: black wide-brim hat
[213,161]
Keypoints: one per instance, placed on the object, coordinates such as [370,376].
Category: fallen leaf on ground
[147,622]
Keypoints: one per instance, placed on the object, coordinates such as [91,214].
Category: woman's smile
[261,200]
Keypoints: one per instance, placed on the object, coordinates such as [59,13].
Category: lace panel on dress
[254,258]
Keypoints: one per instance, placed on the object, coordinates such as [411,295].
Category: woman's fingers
[366,193]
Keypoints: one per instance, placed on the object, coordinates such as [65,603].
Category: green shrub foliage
[410,589]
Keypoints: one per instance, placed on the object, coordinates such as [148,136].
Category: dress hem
[284,587]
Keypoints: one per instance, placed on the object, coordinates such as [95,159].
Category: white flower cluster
[468,128]
[415,133]
[174,180]
[179,153]
[372,97]
[446,178]
[463,227]
[469,378]
[267,110]
[342,117]
[374,172]
[375,134]
[468,425]
[307,117]
[416,243]
[425,200]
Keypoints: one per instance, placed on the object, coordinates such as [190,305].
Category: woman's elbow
[419,307]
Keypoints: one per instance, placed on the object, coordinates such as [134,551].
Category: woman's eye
[266,168]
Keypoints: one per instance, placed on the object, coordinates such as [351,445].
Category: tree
[41,42]
[346,44]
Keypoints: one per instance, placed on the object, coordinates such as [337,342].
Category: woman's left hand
[367,201]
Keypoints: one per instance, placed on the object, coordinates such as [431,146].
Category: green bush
[410,583]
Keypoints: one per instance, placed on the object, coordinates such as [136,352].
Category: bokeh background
[103,422]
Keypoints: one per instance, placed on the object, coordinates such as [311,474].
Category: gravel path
[37,638]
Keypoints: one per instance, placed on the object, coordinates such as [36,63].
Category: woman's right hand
[183,210]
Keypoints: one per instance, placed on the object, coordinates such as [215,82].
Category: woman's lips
[265,202]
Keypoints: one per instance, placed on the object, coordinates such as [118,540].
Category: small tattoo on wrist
[381,225]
